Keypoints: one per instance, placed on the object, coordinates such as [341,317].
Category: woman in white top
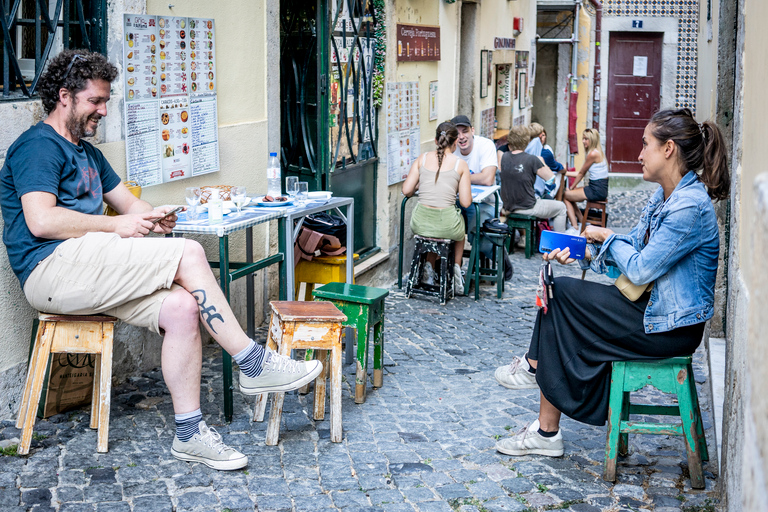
[597,165]
[438,176]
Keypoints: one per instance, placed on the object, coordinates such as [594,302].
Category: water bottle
[215,207]
[273,176]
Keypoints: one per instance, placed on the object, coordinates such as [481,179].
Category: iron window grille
[35,30]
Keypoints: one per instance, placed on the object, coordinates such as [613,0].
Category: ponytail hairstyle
[593,136]
[445,135]
[700,147]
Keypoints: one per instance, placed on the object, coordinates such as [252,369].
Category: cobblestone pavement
[422,442]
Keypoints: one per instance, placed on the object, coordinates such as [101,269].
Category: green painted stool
[528,223]
[364,307]
[674,375]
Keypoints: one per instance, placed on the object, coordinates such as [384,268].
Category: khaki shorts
[128,278]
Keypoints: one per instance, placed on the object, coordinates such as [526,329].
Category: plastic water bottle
[215,207]
[273,176]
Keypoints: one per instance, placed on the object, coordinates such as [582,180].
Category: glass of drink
[238,197]
[291,186]
[302,191]
[192,194]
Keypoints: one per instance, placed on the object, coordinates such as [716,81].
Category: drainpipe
[596,75]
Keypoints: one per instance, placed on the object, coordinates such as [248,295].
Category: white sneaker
[280,374]
[572,231]
[516,375]
[208,448]
[458,280]
[529,442]
[428,274]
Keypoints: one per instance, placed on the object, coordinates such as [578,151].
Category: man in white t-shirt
[481,158]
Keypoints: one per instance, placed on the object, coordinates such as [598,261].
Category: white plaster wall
[706,86]
[669,27]
[244,130]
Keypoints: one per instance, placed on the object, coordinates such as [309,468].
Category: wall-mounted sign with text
[418,42]
[503,43]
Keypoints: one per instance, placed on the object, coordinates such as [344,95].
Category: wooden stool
[320,270]
[91,334]
[674,375]
[601,220]
[307,325]
[444,250]
[528,223]
[364,308]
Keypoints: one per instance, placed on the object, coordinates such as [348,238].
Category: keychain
[542,290]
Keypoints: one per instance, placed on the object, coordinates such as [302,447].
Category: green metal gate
[328,123]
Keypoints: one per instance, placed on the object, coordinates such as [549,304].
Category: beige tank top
[441,194]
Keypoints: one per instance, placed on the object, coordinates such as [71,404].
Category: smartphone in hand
[171,212]
[551,240]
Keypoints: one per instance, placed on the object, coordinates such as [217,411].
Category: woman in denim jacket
[674,247]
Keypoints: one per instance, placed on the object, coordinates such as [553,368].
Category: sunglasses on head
[75,57]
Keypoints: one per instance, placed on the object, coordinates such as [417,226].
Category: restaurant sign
[503,43]
[418,42]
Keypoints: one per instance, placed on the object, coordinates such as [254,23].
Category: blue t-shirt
[41,160]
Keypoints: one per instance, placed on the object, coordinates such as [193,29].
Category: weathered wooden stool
[364,308]
[673,375]
[600,220]
[306,325]
[444,250]
[87,334]
[527,223]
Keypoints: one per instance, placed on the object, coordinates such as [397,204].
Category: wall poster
[522,97]
[487,123]
[171,121]
[403,132]
[418,42]
[433,100]
[484,65]
[521,59]
[504,85]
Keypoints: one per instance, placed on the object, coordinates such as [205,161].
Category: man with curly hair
[70,259]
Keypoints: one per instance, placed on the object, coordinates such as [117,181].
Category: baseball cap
[461,121]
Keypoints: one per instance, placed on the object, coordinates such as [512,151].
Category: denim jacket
[679,257]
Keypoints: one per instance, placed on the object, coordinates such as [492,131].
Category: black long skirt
[589,325]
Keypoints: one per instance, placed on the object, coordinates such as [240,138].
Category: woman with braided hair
[438,176]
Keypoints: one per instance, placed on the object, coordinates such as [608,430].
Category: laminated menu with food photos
[169,80]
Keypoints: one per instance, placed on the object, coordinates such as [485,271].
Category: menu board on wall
[403,135]
[487,123]
[171,125]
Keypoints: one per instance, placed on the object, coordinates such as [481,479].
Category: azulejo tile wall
[687,12]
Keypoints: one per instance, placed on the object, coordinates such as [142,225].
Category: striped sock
[188,424]
[250,358]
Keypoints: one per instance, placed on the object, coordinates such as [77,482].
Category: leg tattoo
[208,313]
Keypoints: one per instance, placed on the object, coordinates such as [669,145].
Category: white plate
[232,206]
[259,200]
[319,195]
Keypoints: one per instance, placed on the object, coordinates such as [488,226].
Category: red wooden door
[634,83]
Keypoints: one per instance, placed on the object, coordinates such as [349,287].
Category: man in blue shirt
[71,259]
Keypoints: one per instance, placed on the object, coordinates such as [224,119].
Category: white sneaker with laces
[458,280]
[516,375]
[208,448]
[528,441]
[279,374]
[428,274]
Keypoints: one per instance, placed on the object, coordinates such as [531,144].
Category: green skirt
[438,222]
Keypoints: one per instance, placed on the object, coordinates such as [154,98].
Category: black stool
[444,250]
[495,269]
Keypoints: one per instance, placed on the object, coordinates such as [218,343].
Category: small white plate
[322,195]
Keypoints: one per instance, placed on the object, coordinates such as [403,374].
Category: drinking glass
[302,191]
[291,186]
[192,195]
[238,197]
